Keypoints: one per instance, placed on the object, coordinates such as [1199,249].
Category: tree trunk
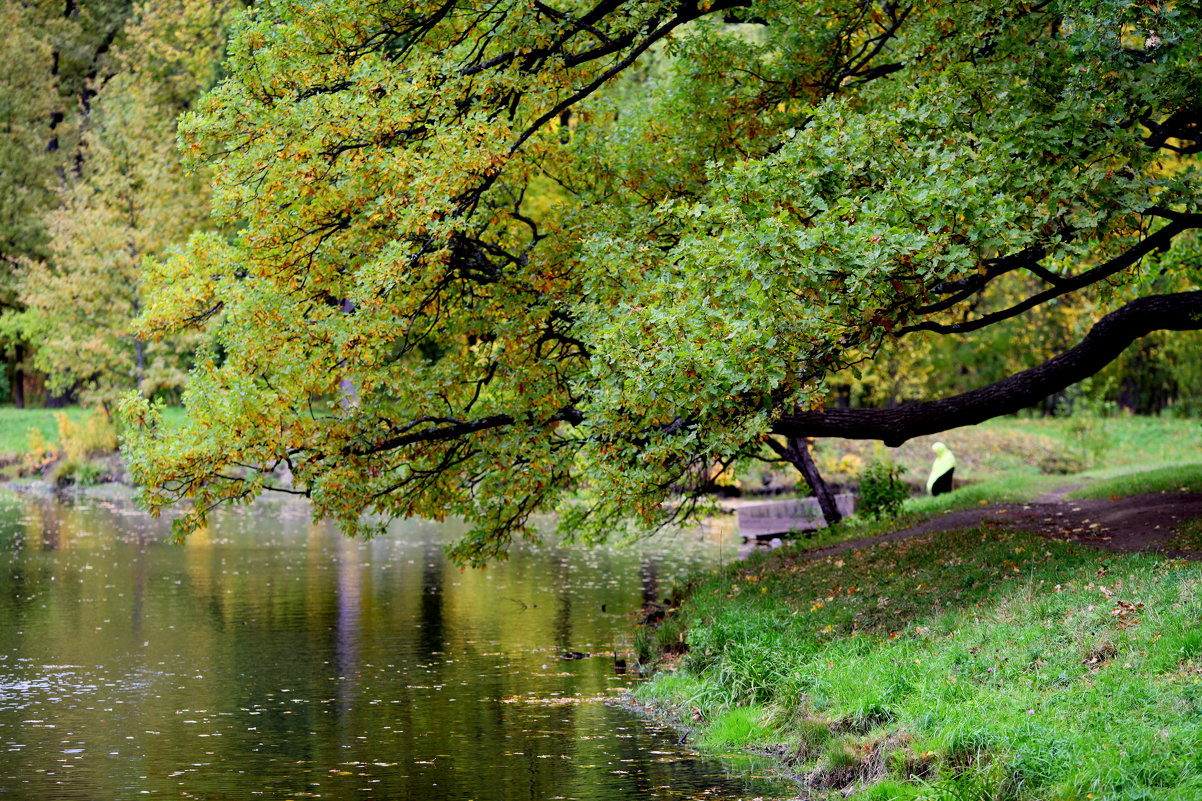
[57,401]
[798,452]
[1104,342]
[346,385]
[139,351]
[19,376]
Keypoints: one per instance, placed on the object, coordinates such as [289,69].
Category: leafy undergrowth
[1179,478]
[985,664]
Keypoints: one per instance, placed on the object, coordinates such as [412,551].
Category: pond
[271,657]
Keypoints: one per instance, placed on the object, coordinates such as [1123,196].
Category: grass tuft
[737,728]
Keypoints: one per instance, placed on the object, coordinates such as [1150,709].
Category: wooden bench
[774,518]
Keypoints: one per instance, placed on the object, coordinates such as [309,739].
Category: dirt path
[1133,523]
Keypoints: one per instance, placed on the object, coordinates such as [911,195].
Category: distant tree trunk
[798,452]
[139,346]
[139,350]
[19,376]
[55,401]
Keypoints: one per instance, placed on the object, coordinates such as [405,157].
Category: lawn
[1121,483]
[15,425]
[979,664]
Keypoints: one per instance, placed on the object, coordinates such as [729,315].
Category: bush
[71,472]
[881,490]
[94,435]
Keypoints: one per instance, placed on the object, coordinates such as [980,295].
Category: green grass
[15,425]
[964,665]
[1014,446]
[736,728]
[1178,478]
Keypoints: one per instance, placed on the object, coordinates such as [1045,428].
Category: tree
[129,199]
[52,52]
[27,99]
[28,108]
[560,276]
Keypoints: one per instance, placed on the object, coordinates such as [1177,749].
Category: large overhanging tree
[489,258]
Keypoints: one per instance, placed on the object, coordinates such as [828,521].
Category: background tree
[27,100]
[52,52]
[564,300]
[129,199]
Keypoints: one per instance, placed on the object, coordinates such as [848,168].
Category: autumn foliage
[496,259]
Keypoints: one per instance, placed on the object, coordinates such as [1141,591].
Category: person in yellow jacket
[941,472]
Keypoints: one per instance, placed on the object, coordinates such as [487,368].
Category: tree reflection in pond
[272,658]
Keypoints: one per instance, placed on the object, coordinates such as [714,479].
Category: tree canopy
[127,198]
[492,259]
[91,183]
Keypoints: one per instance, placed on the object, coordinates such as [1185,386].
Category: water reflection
[272,658]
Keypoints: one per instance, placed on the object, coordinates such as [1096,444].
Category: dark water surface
[273,658]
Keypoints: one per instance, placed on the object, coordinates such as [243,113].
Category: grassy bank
[985,664]
[1120,483]
[69,446]
[1016,449]
[16,425]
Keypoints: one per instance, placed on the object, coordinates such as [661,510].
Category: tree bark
[19,376]
[798,452]
[1104,342]
[347,391]
[139,350]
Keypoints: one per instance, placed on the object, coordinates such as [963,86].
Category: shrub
[71,472]
[39,452]
[881,490]
[94,435]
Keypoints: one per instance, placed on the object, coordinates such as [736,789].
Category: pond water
[271,657]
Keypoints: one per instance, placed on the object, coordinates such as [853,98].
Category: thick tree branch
[1105,341]
[1161,240]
